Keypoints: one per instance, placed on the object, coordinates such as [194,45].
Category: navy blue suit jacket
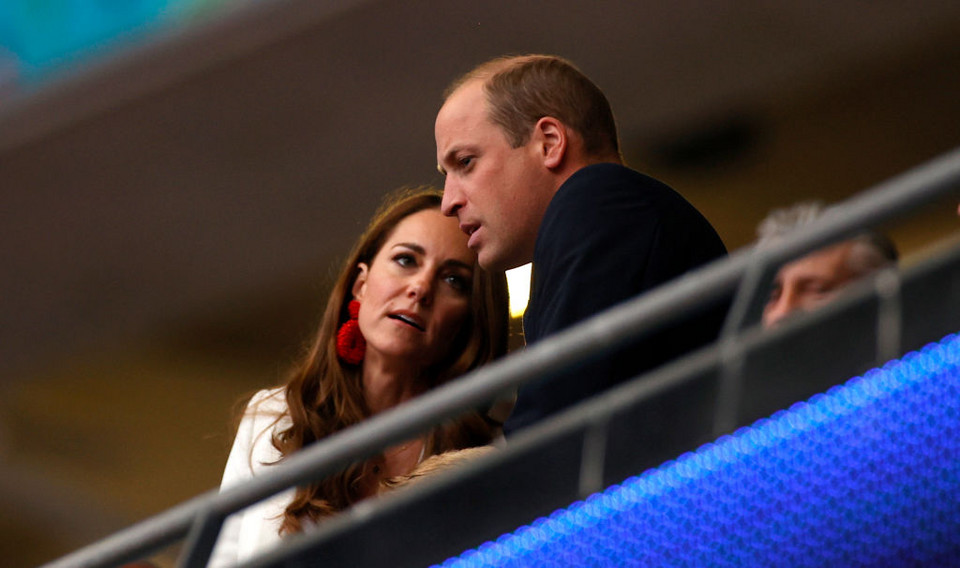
[609,234]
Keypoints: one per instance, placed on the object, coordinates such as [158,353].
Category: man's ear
[360,284]
[551,136]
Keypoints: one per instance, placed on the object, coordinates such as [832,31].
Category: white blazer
[251,531]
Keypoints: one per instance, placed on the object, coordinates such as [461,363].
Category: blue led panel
[867,474]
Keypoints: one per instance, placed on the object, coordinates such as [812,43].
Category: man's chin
[494,263]
[489,261]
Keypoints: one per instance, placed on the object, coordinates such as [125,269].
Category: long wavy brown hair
[325,396]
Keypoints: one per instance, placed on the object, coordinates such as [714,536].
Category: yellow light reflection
[518,281]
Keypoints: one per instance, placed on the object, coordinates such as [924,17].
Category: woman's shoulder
[267,410]
[267,401]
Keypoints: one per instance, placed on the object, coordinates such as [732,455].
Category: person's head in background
[409,255]
[813,280]
[510,132]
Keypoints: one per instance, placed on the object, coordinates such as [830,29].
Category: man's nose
[451,203]
[773,314]
[782,307]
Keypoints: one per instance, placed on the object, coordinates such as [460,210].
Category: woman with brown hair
[410,310]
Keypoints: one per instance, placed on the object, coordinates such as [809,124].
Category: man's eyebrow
[450,156]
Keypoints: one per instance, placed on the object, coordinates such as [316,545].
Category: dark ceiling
[224,159]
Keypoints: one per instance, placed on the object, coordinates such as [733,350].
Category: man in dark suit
[530,152]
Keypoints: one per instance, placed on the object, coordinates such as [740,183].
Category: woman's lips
[408,319]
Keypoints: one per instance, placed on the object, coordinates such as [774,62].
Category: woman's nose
[421,289]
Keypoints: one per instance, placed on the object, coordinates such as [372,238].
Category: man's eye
[817,289]
[466,161]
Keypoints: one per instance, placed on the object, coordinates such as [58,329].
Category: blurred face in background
[809,282]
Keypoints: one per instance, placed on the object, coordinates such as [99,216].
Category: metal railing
[744,273]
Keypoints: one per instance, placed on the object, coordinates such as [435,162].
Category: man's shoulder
[613,186]
[611,206]
[609,194]
[600,206]
[606,174]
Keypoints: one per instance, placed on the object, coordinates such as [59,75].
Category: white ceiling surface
[221,161]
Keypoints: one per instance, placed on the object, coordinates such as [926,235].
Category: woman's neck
[385,386]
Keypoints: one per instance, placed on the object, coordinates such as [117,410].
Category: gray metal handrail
[597,335]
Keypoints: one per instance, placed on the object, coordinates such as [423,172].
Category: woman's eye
[457,282]
[405,260]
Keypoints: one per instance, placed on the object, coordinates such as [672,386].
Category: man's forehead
[830,260]
[467,102]
[460,122]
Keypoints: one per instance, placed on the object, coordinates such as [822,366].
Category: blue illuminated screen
[866,474]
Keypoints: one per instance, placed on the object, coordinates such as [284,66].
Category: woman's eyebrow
[412,246]
[459,264]
[449,262]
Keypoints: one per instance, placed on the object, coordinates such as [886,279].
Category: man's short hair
[872,250]
[522,89]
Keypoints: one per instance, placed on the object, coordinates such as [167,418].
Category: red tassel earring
[351,346]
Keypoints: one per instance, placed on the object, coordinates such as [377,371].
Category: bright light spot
[518,281]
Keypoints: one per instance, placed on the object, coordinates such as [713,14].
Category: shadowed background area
[173,211]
